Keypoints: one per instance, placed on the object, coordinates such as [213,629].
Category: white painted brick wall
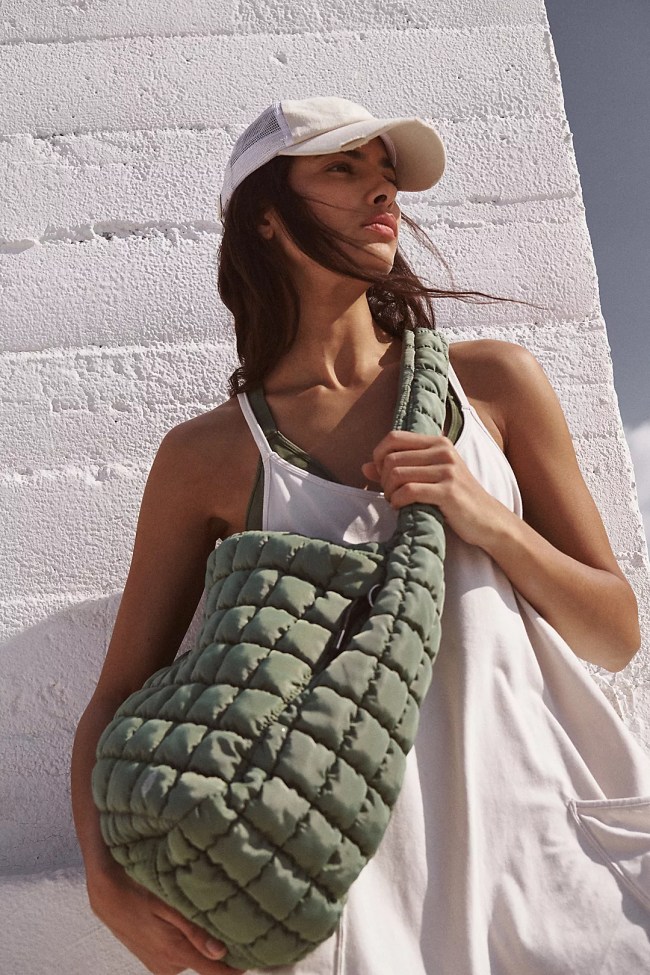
[115,123]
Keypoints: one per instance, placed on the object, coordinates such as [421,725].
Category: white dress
[520,842]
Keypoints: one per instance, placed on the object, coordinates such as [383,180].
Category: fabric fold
[619,829]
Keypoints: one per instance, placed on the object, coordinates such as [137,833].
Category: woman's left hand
[414,467]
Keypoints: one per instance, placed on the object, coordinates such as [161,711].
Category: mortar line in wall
[100,350]
[100,473]
[493,200]
[630,558]
[226,127]
[91,473]
[456,224]
[212,402]
[362,31]
[588,322]
[53,597]
[194,230]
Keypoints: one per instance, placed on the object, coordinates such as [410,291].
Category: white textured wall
[115,123]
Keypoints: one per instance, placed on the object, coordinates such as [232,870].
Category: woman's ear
[267,224]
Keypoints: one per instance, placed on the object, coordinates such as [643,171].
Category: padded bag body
[249,783]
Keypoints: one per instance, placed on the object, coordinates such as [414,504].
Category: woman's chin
[383,264]
[377,258]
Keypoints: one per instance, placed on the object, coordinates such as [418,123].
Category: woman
[485,867]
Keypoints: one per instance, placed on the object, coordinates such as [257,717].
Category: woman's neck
[337,345]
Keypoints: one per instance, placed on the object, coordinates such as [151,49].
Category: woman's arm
[559,558]
[173,540]
[161,938]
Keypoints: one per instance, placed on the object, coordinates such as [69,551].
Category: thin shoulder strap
[263,415]
[454,382]
[254,427]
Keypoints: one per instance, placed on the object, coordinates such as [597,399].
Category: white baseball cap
[320,125]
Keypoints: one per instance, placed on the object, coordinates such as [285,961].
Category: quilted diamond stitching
[244,574]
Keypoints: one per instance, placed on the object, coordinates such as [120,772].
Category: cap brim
[419,149]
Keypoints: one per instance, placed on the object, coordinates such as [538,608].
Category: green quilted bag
[249,783]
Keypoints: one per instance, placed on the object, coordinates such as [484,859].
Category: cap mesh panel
[254,147]
[265,125]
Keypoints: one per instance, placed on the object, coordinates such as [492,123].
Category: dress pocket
[619,829]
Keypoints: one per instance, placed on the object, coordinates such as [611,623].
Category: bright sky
[602,48]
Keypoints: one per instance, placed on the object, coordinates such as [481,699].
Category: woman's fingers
[396,450]
[199,938]
[165,950]
[371,471]
[399,451]
[404,441]
[434,463]
[164,941]
[175,954]
[414,468]
[209,950]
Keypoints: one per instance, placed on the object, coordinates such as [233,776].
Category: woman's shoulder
[487,362]
[491,369]
[220,426]
[210,438]
[216,458]
[502,381]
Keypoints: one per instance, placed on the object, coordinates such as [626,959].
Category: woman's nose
[384,191]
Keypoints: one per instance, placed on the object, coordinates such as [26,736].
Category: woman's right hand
[161,938]
[176,533]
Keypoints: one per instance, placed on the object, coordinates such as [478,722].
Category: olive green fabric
[456,410]
[248,783]
[300,458]
[285,448]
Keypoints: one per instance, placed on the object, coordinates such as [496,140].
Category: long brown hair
[254,284]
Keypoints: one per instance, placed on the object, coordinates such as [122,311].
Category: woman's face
[348,191]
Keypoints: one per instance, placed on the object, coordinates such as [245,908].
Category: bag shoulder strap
[423,383]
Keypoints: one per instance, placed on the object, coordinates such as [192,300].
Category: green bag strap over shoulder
[249,783]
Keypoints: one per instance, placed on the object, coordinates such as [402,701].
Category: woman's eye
[347,168]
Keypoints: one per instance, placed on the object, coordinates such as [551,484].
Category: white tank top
[520,841]
[299,501]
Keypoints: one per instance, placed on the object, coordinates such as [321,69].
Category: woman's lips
[384,224]
[381,228]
